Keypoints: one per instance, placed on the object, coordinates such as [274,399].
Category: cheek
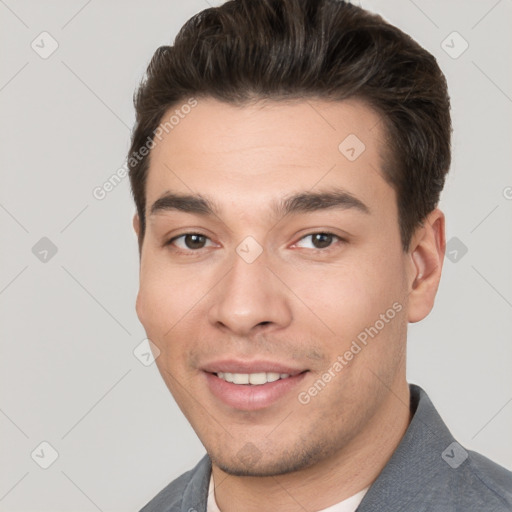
[351,296]
[153,307]
[165,294]
[159,311]
[168,303]
[157,303]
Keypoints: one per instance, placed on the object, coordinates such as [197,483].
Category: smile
[252,391]
[255,379]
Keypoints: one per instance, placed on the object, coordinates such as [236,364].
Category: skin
[296,303]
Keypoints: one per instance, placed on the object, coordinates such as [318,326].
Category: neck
[349,470]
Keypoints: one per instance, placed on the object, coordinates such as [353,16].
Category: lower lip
[250,397]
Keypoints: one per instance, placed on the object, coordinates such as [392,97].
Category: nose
[250,298]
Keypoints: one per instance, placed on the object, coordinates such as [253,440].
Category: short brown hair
[247,50]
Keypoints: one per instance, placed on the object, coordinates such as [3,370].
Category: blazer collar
[416,461]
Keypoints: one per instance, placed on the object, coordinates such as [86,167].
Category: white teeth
[240,378]
[256,379]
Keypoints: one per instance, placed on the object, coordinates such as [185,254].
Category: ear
[136,224]
[136,228]
[426,254]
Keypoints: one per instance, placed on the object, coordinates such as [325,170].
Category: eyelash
[190,252]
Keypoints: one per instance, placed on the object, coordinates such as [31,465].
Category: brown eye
[189,241]
[195,241]
[320,240]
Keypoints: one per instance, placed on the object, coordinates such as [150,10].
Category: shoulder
[486,482]
[477,484]
[460,478]
[430,471]
[188,491]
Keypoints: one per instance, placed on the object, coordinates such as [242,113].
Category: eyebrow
[303,202]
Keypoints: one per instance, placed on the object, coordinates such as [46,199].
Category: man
[286,166]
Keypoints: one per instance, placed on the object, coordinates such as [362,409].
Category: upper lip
[236,366]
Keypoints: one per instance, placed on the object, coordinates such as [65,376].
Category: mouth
[252,379]
[252,386]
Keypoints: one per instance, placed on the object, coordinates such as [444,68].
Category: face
[286,263]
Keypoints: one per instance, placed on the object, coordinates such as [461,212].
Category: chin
[251,461]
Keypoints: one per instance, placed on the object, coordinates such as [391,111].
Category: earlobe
[427,256]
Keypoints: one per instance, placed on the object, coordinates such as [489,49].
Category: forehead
[249,156]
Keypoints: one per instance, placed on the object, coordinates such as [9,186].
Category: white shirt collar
[348,505]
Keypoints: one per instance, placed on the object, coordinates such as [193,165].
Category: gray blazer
[429,471]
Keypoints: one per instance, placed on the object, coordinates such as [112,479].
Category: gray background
[68,372]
